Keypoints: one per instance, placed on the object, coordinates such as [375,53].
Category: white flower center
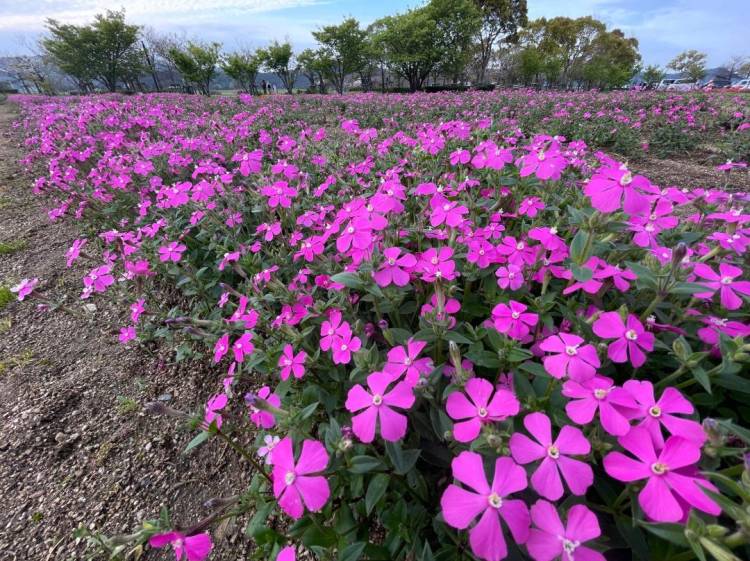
[659,468]
[495,500]
[553,452]
[726,280]
[377,399]
[631,335]
[289,477]
[482,412]
[571,350]
[626,179]
[655,411]
[515,315]
[541,156]
[600,393]
[570,546]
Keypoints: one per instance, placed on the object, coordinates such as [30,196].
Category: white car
[664,84]
[683,85]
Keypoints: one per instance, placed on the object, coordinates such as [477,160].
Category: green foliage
[653,74]
[197,63]
[342,51]
[279,59]
[104,51]
[691,62]
[242,68]
[6,248]
[6,296]
[498,17]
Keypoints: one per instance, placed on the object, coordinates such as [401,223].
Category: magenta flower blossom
[724,282]
[437,264]
[479,408]
[672,486]
[221,347]
[632,341]
[266,451]
[344,345]
[126,334]
[612,187]
[74,252]
[572,358]
[192,548]
[137,309]
[99,279]
[404,361]
[25,288]
[263,419]
[551,540]
[214,405]
[172,252]
[287,554]
[655,414]
[614,404]
[395,267]
[279,194]
[545,165]
[378,405]
[462,505]
[509,277]
[446,212]
[546,479]
[331,330]
[291,363]
[243,346]
[295,484]
[513,319]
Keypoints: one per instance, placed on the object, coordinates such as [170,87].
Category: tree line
[443,42]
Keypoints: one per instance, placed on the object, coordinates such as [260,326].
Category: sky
[663,27]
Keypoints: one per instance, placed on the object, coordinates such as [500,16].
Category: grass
[6,296]
[6,248]
[126,405]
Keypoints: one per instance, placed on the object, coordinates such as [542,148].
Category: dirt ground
[76,446]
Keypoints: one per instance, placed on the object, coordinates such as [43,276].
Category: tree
[692,63]
[313,67]
[243,68]
[653,74]
[106,50]
[499,17]
[457,22]
[341,50]
[197,64]
[279,59]
[613,60]
[738,66]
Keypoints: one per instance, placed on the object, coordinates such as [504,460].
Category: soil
[77,446]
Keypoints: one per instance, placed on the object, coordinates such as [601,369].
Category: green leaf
[365,464]
[258,521]
[673,533]
[578,245]
[403,460]
[688,288]
[197,441]
[400,336]
[307,411]
[375,491]
[581,274]
[518,354]
[350,280]
[457,338]
[733,382]
[352,552]
[702,378]
[534,368]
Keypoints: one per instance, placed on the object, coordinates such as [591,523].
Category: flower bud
[678,254]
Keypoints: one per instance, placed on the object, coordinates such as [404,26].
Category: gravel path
[76,446]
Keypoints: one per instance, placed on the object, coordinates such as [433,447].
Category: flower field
[438,326]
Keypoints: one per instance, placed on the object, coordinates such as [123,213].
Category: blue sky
[663,27]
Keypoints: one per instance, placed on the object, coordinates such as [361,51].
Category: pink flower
[24,288]
[394,268]
[265,451]
[509,277]
[462,505]
[655,414]
[279,194]
[530,206]
[513,319]
[344,345]
[263,419]
[291,363]
[332,330]
[214,405]
[378,405]
[551,540]
[671,483]
[243,346]
[546,479]
[724,283]
[448,212]
[126,334]
[631,340]
[294,484]
[287,554]
[74,251]
[171,252]
[611,187]
[403,361]
[437,264]
[221,347]
[99,279]
[572,358]
[192,548]
[137,309]
[615,405]
[481,408]
[545,165]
